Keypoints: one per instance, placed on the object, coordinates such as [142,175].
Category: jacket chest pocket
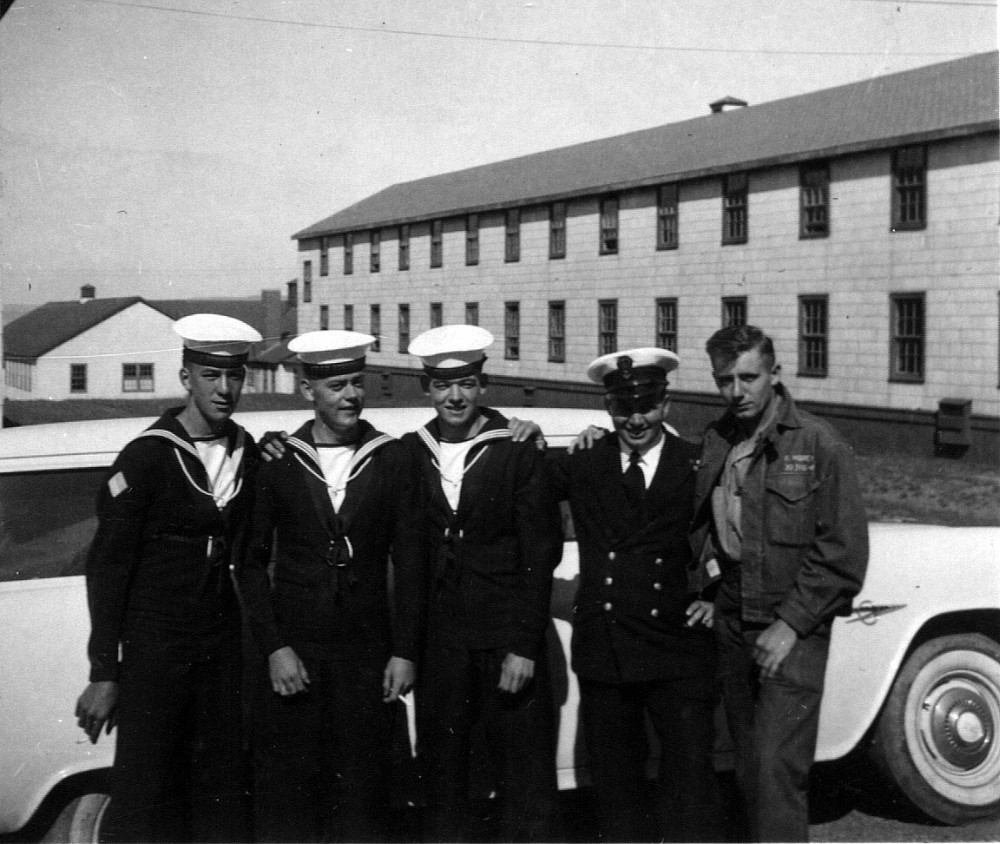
[790,503]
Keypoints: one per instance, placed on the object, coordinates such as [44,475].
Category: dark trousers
[457,688]
[684,803]
[179,772]
[773,722]
[324,764]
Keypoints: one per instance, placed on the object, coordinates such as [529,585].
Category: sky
[170,149]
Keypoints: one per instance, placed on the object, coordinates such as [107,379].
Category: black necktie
[635,483]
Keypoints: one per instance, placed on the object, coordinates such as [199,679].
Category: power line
[382,30]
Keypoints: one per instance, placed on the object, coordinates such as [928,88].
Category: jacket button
[608,581]
[611,555]
[658,561]
[657,586]
[607,606]
[654,612]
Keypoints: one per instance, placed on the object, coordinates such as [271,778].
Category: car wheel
[80,821]
[937,737]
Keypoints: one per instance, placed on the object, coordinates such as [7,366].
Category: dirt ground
[932,490]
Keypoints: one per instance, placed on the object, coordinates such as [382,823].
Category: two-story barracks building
[857,225]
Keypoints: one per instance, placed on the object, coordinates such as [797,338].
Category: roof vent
[87,292]
[720,105]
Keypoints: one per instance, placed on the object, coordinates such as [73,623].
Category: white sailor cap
[327,354]
[452,351]
[633,372]
[216,340]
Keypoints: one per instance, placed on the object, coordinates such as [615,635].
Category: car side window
[47,521]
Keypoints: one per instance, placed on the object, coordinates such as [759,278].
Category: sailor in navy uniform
[336,502]
[492,544]
[159,587]
[641,645]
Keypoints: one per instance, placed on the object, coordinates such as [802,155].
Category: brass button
[611,555]
[658,561]
[607,606]
[654,612]
[608,581]
[657,586]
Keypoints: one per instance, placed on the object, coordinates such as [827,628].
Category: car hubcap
[960,725]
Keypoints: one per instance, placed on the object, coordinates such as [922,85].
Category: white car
[914,672]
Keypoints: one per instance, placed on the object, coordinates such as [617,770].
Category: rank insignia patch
[117,485]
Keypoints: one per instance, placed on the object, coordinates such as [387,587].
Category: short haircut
[729,343]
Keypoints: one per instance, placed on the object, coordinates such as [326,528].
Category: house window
[404,328]
[324,317]
[404,247]
[348,253]
[814,201]
[909,188]
[557,332]
[557,230]
[375,260]
[472,240]
[472,313]
[607,326]
[512,237]
[437,242]
[437,315]
[734,209]
[324,256]
[908,336]
[813,336]
[375,327]
[666,324]
[512,330]
[348,317]
[78,377]
[307,281]
[137,377]
[609,226]
[734,311]
[667,217]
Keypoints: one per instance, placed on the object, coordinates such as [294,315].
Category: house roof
[949,99]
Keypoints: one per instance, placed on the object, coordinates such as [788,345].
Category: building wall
[954,261]
[138,334]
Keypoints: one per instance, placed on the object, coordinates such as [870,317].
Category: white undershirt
[453,469]
[220,468]
[647,462]
[335,461]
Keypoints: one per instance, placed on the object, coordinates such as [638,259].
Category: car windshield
[47,521]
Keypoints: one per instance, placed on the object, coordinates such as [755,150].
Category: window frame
[899,343]
[436,314]
[133,383]
[607,326]
[437,244]
[348,253]
[609,210]
[403,256]
[374,251]
[666,314]
[557,230]
[904,192]
[814,211]
[557,331]
[512,238]
[735,209]
[471,240]
[77,377]
[668,216]
[814,340]
[348,317]
[324,317]
[512,330]
[403,327]
[324,256]
[375,326]
[307,282]
[472,310]
[729,302]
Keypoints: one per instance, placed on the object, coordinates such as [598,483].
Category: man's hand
[586,439]
[515,673]
[522,430]
[772,646]
[95,708]
[399,677]
[272,445]
[288,674]
[702,612]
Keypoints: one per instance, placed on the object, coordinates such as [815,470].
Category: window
[375,327]
[512,237]
[348,317]
[404,328]
[909,188]
[667,218]
[557,230]
[437,315]
[472,240]
[607,326]
[609,226]
[404,247]
[512,330]
[907,353]
[437,242]
[734,311]
[814,201]
[813,336]
[324,256]
[472,313]
[324,317]
[307,281]
[666,324]
[557,332]
[78,377]
[375,260]
[137,377]
[348,253]
[734,209]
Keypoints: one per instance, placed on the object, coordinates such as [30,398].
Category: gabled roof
[245,310]
[54,323]
[949,99]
